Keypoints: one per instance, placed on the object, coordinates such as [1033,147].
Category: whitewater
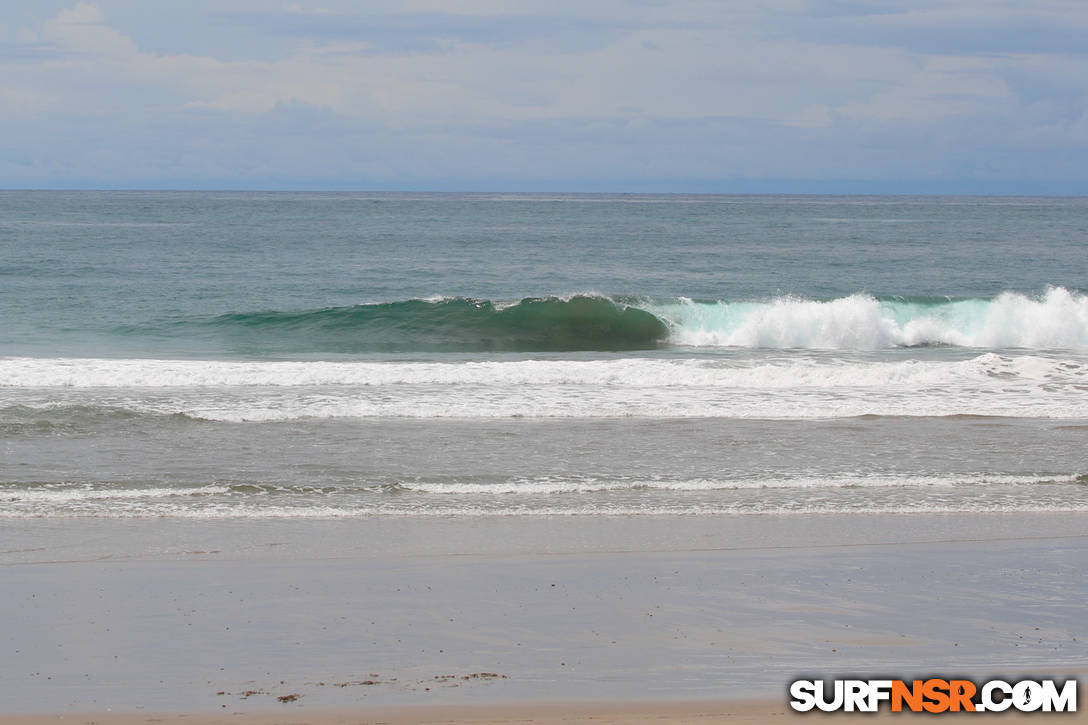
[286,356]
[1056,319]
[783,386]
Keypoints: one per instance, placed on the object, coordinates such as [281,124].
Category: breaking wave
[581,322]
[1057,319]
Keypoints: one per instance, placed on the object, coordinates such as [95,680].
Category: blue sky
[970,96]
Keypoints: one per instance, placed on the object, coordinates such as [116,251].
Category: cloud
[81,29]
[616,92]
[993,27]
[436,31]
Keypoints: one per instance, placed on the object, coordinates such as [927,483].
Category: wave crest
[1056,320]
[534,324]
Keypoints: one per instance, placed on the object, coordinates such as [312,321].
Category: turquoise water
[106,273]
[281,354]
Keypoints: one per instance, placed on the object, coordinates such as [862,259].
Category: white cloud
[668,72]
[82,29]
[673,89]
[941,88]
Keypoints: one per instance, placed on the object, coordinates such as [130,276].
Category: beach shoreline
[188,617]
[740,711]
[542,712]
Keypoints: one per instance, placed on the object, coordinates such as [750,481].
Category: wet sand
[527,618]
[545,714]
[740,712]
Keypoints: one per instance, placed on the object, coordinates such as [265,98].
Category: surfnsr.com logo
[934,695]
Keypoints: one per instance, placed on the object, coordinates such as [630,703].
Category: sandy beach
[544,714]
[314,621]
[740,712]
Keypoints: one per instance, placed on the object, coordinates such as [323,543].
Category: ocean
[222,355]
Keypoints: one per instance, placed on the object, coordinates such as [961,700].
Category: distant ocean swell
[1056,319]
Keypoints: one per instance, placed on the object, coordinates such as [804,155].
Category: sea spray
[1057,319]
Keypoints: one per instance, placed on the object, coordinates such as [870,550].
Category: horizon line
[526,192]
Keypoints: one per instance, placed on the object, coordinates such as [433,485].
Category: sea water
[272,355]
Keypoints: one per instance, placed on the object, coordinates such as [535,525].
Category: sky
[791,96]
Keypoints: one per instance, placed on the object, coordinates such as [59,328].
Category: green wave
[861,321]
[534,324]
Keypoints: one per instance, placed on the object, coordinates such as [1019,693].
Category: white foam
[550,487]
[894,492]
[244,511]
[790,372]
[61,494]
[795,386]
[1056,320]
